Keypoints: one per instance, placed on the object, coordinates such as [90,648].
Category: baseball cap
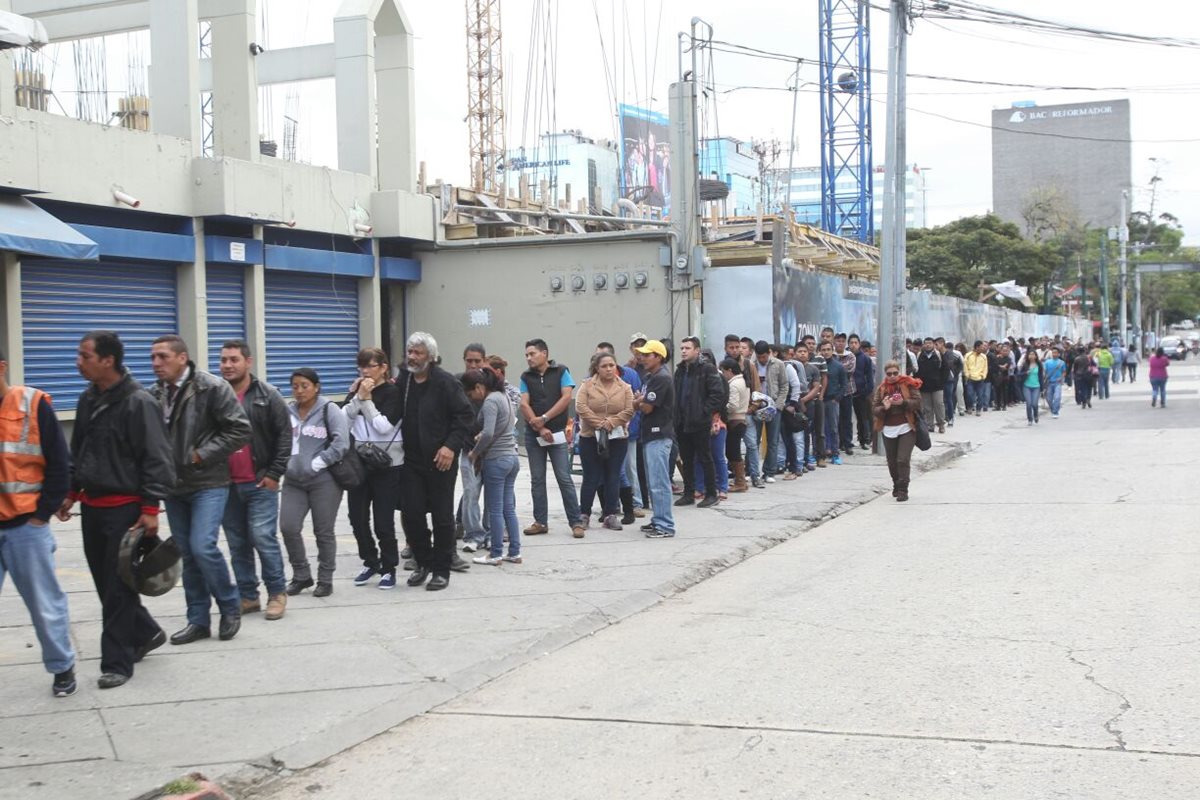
[638,337]
[654,346]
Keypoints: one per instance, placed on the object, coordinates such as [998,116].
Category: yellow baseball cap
[653,346]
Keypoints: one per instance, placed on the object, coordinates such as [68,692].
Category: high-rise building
[591,168]
[733,162]
[1065,159]
[806,194]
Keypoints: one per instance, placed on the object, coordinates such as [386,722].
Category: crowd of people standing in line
[230,452]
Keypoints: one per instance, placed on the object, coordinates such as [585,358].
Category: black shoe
[437,583]
[323,590]
[648,528]
[65,684]
[708,501]
[418,576]
[458,564]
[295,587]
[410,564]
[111,680]
[190,633]
[156,641]
[229,627]
[628,519]
[687,499]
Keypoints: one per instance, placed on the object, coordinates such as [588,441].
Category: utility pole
[892,322]
[1104,289]
[1123,241]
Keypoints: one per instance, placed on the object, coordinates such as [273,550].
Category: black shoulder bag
[373,457]
[349,472]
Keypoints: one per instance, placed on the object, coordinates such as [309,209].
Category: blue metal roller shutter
[63,300]
[312,321]
[226,309]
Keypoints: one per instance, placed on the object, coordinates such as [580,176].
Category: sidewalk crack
[1111,724]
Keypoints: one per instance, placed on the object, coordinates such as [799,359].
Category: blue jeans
[559,460]
[473,522]
[950,398]
[195,521]
[499,478]
[27,553]
[251,521]
[658,482]
[1054,397]
[1105,372]
[1158,388]
[630,477]
[753,434]
[720,464]
[979,395]
[832,410]
[771,462]
[1032,395]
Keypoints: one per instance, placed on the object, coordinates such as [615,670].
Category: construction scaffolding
[485,93]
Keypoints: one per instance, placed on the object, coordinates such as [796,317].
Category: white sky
[1163,83]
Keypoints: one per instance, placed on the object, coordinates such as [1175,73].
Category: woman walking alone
[495,457]
[1031,376]
[320,437]
[895,405]
[1158,377]
[1081,371]
[604,405]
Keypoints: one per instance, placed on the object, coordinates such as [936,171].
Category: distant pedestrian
[699,394]
[975,373]
[895,405]
[1031,376]
[546,389]
[1082,370]
[1132,359]
[656,402]
[1056,371]
[1158,377]
[934,373]
[736,408]
[1104,360]
[604,406]
[495,457]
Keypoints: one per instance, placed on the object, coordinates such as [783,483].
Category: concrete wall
[501,296]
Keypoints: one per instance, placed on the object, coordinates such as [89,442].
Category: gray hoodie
[314,448]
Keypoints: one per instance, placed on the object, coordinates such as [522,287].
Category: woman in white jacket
[736,410]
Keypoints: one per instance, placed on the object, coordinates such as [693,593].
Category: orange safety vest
[22,465]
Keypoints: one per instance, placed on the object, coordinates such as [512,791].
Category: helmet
[147,564]
[766,406]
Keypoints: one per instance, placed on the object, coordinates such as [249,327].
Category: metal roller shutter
[312,321]
[226,309]
[63,300]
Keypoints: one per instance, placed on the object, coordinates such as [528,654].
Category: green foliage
[956,258]
[1175,294]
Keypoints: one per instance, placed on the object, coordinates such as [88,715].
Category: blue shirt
[1055,368]
[630,376]
[567,380]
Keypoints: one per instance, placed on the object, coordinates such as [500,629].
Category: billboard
[645,156]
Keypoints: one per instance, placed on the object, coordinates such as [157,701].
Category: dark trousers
[817,423]
[427,491]
[693,446]
[733,442]
[899,459]
[1000,394]
[601,473]
[641,473]
[863,419]
[127,624]
[378,494]
[846,422]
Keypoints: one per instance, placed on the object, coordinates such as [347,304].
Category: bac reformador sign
[1027,115]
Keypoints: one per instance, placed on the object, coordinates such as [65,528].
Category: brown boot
[739,478]
[276,605]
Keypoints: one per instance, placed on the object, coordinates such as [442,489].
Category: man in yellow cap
[656,401]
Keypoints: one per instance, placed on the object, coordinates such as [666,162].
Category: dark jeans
[733,442]
[251,525]
[816,424]
[428,491]
[195,520]
[899,459]
[127,623]
[602,472]
[1083,390]
[377,494]
[559,461]
[846,422]
[950,398]
[1000,394]
[863,419]
[694,446]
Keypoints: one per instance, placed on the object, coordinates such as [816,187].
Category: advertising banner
[645,156]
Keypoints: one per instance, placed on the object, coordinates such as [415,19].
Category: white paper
[559,438]
[618,432]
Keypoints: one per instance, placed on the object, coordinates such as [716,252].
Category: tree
[956,258]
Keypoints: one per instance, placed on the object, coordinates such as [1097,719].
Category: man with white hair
[436,425]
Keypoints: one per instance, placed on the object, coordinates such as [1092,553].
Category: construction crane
[485,94]
[846,158]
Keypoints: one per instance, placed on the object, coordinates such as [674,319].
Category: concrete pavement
[337,671]
[1024,627]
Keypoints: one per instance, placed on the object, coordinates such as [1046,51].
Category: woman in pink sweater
[1158,377]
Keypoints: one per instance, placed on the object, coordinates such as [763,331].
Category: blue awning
[25,228]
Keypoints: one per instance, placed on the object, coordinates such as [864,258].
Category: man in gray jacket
[206,424]
[772,375]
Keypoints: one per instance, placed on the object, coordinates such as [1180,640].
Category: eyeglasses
[371,366]
[891,374]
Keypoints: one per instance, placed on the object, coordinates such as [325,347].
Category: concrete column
[174,70]
[235,83]
[192,305]
[11,337]
[256,312]
[354,77]
[370,308]
[8,85]
[396,83]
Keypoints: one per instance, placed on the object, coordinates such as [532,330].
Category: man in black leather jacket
[206,424]
[699,393]
[121,469]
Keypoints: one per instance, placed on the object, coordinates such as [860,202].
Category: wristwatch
[545,419]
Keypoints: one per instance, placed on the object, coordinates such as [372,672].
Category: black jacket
[270,429]
[445,415]
[208,421]
[119,444]
[933,371]
[699,394]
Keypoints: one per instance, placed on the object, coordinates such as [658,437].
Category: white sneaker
[769,479]
[492,562]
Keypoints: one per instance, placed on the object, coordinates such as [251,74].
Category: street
[1024,627]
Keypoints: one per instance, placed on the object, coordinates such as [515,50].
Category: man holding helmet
[121,470]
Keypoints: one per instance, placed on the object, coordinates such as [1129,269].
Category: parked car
[1173,347]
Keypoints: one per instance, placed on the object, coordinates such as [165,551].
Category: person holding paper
[546,389]
[604,405]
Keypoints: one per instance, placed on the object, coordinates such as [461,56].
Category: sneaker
[640,513]
[659,533]
[791,476]
[648,528]
[387,581]
[491,561]
[470,547]
[513,559]
[65,684]
[837,460]
[362,577]
[613,522]
[536,529]
[457,564]
[769,478]
[1054,416]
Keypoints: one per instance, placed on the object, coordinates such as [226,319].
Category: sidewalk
[337,671]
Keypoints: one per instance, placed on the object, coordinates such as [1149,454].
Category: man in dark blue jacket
[864,386]
[835,389]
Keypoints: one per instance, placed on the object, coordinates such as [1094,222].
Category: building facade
[732,162]
[806,194]
[590,167]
